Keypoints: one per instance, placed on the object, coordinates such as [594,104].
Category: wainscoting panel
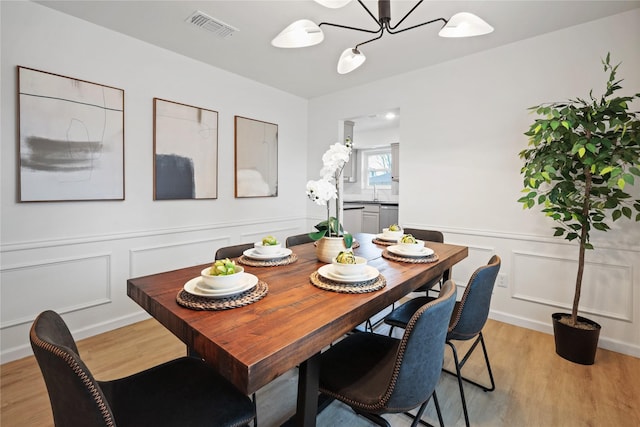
[172,256]
[63,285]
[549,280]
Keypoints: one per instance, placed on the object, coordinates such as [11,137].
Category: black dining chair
[233,251]
[182,392]
[298,239]
[429,236]
[376,374]
[469,317]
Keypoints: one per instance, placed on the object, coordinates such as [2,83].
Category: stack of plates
[195,287]
[253,254]
[381,236]
[419,251]
[328,272]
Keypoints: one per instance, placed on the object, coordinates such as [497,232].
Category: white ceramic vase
[328,248]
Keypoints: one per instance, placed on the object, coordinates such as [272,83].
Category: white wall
[75,257]
[461,131]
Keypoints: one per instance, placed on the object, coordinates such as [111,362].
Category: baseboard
[547,328]
[20,352]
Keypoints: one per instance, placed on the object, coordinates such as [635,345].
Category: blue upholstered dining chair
[181,392]
[469,317]
[429,236]
[376,374]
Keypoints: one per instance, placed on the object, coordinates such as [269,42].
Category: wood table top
[254,344]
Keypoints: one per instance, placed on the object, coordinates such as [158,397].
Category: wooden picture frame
[256,158]
[71,139]
[185,146]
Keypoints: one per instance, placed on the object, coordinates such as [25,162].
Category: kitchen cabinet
[350,171]
[352,218]
[395,162]
[371,219]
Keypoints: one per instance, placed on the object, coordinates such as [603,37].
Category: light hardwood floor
[534,387]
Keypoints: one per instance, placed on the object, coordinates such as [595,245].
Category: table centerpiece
[330,235]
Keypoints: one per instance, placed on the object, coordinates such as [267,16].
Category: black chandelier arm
[371,14]
[351,28]
[393,27]
[419,25]
[373,39]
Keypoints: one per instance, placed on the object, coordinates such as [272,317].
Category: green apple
[223,267]
[269,241]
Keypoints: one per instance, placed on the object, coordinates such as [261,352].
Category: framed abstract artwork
[71,139]
[185,142]
[256,158]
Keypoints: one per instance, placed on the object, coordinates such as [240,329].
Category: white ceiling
[311,72]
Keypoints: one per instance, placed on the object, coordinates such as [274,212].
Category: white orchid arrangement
[328,188]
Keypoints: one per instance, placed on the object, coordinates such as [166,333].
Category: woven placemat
[384,242]
[196,302]
[413,260]
[290,259]
[348,288]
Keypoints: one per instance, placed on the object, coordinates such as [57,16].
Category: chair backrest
[76,397]
[428,235]
[419,358]
[298,239]
[232,251]
[471,313]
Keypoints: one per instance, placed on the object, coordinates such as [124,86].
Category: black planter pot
[575,344]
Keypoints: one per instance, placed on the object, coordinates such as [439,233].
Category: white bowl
[348,270]
[395,235]
[412,247]
[221,282]
[267,249]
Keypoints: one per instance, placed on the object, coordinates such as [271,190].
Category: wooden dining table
[254,344]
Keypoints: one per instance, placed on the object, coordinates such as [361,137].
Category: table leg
[308,383]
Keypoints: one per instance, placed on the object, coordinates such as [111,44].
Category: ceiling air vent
[217,27]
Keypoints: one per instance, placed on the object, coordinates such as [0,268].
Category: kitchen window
[376,168]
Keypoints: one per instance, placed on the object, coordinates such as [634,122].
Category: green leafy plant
[581,155]
[331,227]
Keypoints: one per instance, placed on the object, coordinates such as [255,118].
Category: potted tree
[580,157]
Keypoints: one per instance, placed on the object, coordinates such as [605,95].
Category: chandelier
[303,33]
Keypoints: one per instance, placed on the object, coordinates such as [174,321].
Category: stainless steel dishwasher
[388,215]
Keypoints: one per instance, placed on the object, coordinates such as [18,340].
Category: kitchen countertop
[371,202]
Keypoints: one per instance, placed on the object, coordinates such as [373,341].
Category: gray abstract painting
[71,138]
[185,151]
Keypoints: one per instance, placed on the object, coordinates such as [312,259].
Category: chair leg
[435,402]
[459,376]
[418,417]
[479,340]
[460,363]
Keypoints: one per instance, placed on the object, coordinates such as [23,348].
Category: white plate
[386,239]
[251,253]
[369,273]
[399,250]
[247,282]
